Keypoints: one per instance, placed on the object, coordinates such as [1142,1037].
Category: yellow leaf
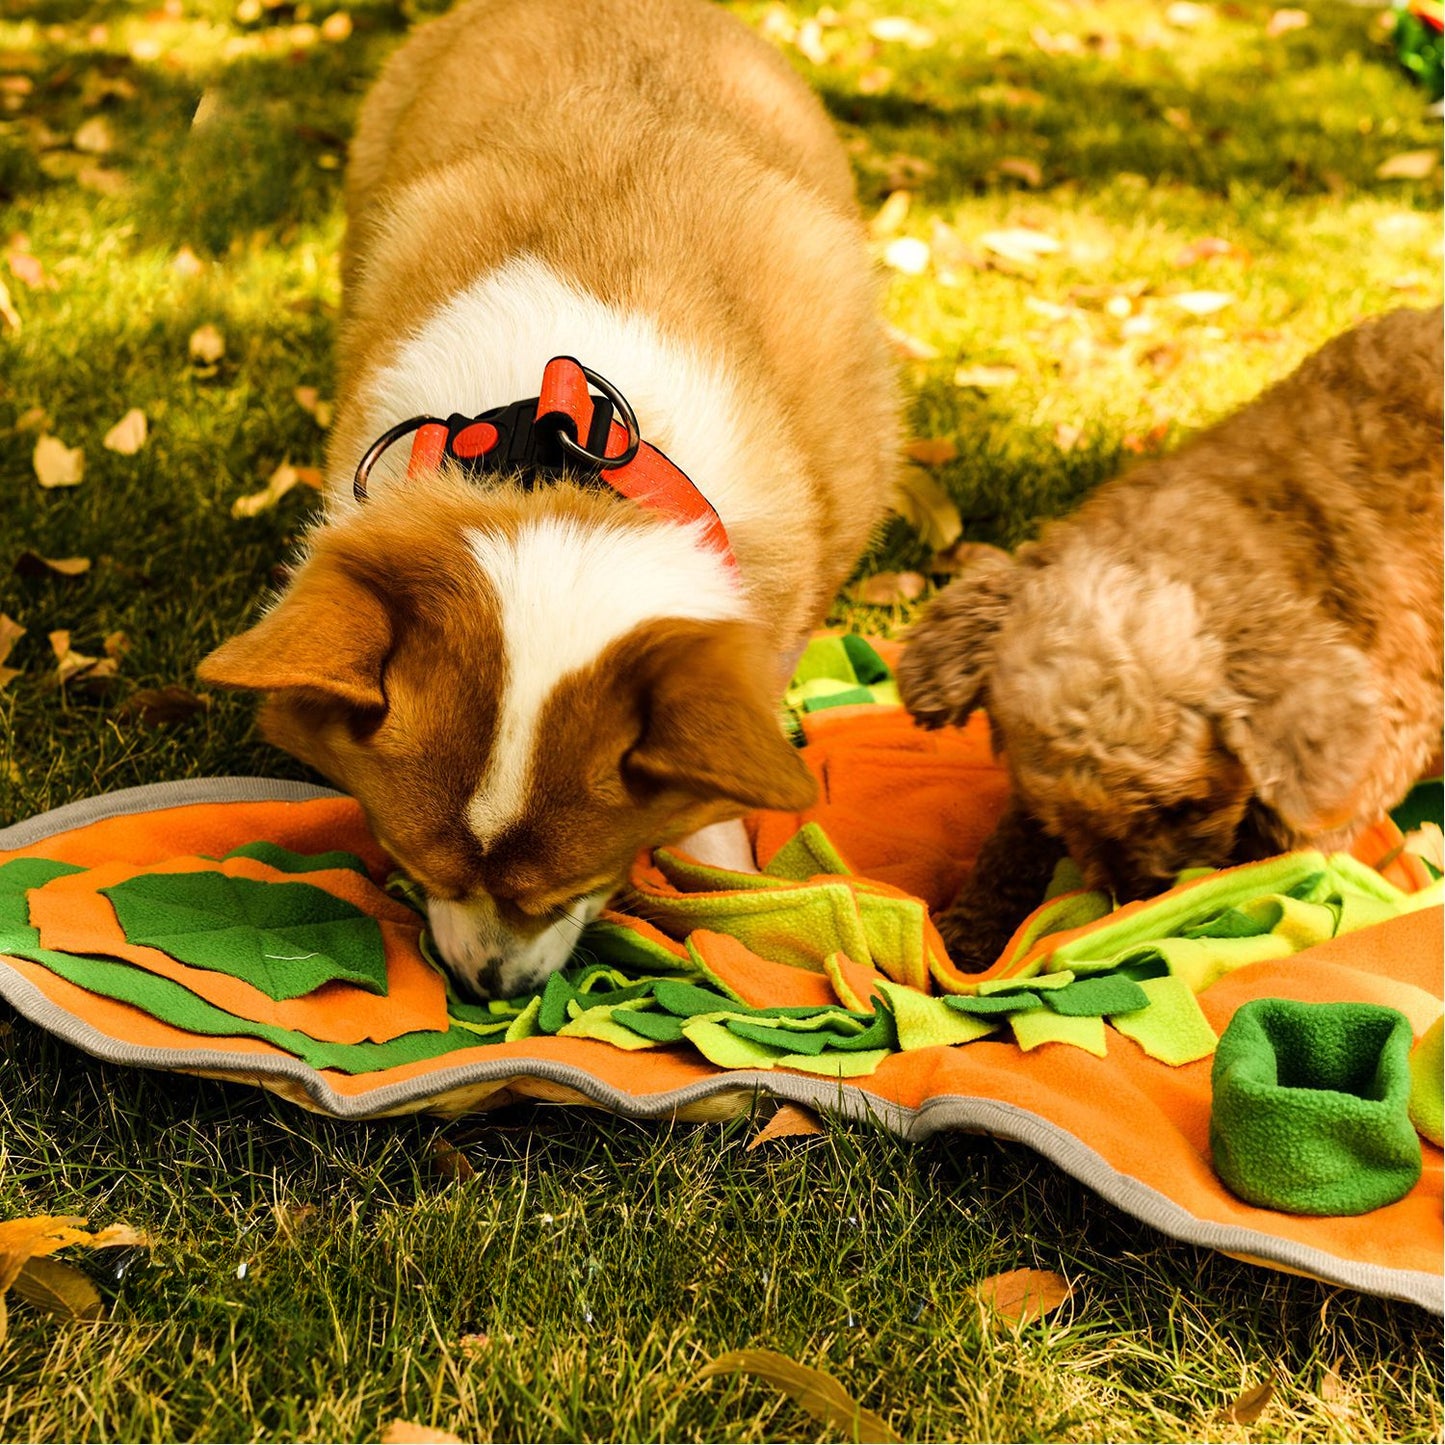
[907,254]
[8,314]
[10,633]
[1202,303]
[818,1393]
[1251,1404]
[891,215]
[1283,21]
[94,138]
[336,27]
[32,564]
[278,484]
[1020,244]
[1023,1295]
[932,451]
[407,1432]
[58,1288]
[985,378]
[927,508]
[206,345]
[910,347]
[790,1121]
[1021,168]
[898,30]
[1408,166]
[57,465]
[128,435]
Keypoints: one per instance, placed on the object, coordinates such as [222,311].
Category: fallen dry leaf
[206,345]
[791,1121]
[27,267]
[95,137]
[277,485]
[890,589]
[910,347]
[1251,1404]
[128,435]
[899,30]
[891,214]
[116,645]
[985,378]
[314,405]
[95,674]
[922,503]
[1023,1295]
[1184,15]
[449,1161]
[32,565]
[186,263]
[1408,166]
[1208,248]
[1149,441]
[1021,168]
[10,633]
[9,316]
[1067,435]
[1283,21]
[1202,303]
[408,1432]
[104,182]
[1019,246]
[907,254]
[820,1394]
[59,1289]
[336,27]
[932,451]
[809,41]
[159,707]
[24,1241]
[57,465]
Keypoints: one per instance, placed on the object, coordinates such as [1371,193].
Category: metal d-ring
[379,446]
[629,417]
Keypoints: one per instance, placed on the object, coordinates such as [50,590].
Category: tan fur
[1230,650]
[656,155]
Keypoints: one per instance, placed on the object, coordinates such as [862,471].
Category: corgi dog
[615,418]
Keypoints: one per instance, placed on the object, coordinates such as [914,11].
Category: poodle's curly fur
[1229,650]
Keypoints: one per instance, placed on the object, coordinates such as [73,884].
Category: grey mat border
[949,1111]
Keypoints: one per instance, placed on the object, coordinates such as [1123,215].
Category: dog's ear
[710,723]
[943,673]
[327,639]
[1308,741]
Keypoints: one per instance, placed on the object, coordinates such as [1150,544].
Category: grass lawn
[312,1280]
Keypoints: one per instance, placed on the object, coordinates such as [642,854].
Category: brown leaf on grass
[57,465]
[408,1432]
[291,1219]
[159,707]
[116,645]
[1018,249]
[1251,1404]
[94,674]
[820,1394]
[449,1161]
[128,435]
[336,27]
[1023,1295]
[1283,21]
[1408,166]
[281,481]
[927,508]
[790,1121]
[10,633]
[1021,168]
[932,451]
[31,565]
[206,346]
[890,589]
[910,347]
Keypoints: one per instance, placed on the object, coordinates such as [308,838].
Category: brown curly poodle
[1229,651]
